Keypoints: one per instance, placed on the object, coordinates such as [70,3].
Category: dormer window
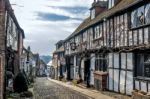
[111,3]
[92,13]
[98,6]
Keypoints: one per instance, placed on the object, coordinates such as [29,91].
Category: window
[97,32]
[111,3]
[104,33]
[147,13]
[101,62]
[134,19]
[84,36]
[92,13]
[140,16]
[147,65]
[143,65]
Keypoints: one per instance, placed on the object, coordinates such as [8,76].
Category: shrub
[20,83]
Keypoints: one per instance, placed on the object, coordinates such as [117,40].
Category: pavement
[92,94]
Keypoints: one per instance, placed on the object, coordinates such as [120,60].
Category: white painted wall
[129,83]
[82,69]
[75,65]
[125,76]
[92,68]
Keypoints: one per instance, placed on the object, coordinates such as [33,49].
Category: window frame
[140,65]
[101,62]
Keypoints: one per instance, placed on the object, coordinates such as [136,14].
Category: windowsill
[138,27]
[142,78]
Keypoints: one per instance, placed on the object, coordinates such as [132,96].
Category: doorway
[87,71]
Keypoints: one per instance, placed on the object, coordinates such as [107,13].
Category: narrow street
[45,89]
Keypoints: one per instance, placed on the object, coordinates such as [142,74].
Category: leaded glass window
[140,16]
[134,19]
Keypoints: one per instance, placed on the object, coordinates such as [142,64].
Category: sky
[45,22]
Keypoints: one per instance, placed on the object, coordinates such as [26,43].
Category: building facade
[58,61]
[110,49]
[11,44]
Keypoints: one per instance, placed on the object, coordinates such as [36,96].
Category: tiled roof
[123,4]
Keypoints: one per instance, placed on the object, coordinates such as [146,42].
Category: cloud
[53,17]
[74,10]
[47,21]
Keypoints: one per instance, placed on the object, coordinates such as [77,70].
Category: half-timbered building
[11,46]
[58,61]
[110,49]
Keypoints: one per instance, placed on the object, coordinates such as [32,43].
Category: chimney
[98,6]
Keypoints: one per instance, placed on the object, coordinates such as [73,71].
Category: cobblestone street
[45,89]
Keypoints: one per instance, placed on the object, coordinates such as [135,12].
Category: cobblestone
[45,89]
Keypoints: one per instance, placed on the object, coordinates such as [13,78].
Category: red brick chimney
[98,6]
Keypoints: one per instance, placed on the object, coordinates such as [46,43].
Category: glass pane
[147,70]
[140,16]
[140,65]
[147,59]
[146,36]
[135,37]
[147,14]
[104,32]
[147,65]
[110,3]
[140,36]
[134,19]
[96,32]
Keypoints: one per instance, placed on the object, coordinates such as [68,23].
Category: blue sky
[47,21]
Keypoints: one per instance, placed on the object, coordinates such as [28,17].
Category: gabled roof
[120,6]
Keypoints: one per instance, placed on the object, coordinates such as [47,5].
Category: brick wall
[2,46]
